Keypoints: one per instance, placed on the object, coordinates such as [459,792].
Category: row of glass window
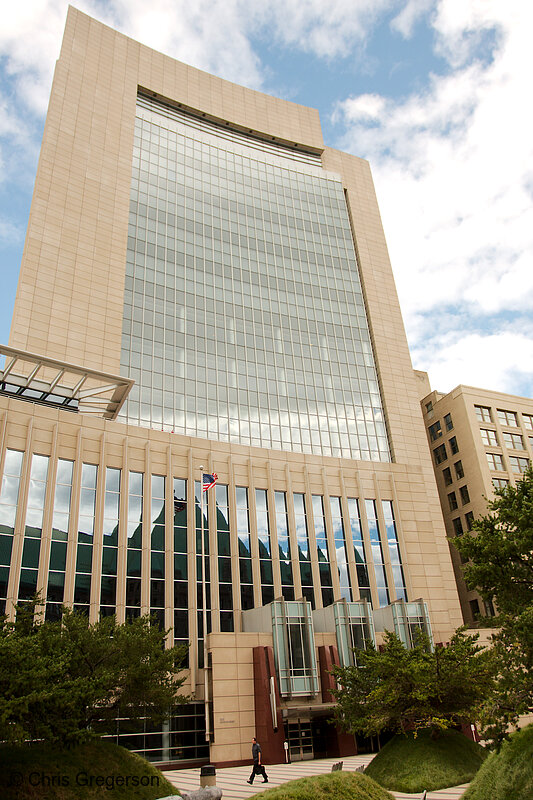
[463,494]
[505,417]
[200,273]
[496,464]
[513,441]
[282,372]
[231,334]
[180,738]
[169,117]
[459,473]
[239,332]
[348,542]
[220,222]
[440,453]
[435,430]
[457,523]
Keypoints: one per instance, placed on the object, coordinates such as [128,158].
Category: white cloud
[209,34]
[214,35]
[30,38]
[10,232]
[460,26]
[18,146]
[503,360]
[454,175]
[411,12]
[324,29]
[364,107]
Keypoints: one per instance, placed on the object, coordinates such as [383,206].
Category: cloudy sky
[435,93]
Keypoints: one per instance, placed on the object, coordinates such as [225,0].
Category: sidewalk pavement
[232,780]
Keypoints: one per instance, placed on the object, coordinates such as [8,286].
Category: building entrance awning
[307,711]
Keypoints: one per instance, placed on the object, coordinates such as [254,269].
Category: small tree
[401,690]
[500,549]
[58,680]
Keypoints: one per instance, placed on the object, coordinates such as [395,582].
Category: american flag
[208,481]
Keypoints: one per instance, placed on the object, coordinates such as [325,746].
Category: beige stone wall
[233,693]
[423,384]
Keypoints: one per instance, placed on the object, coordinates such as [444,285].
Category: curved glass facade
[244,318]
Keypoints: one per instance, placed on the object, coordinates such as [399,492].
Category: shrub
[335,786]
[412,764]
[507,774]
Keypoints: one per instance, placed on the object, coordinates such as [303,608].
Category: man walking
[258,768]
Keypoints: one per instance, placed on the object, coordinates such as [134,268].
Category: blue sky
[435,93]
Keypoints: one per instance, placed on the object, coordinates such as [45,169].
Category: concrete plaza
[232,780]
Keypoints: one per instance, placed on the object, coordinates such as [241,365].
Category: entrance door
[299,737]
[320,731]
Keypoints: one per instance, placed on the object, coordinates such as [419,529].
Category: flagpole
[204,612]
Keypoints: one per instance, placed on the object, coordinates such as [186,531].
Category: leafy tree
[61,681]
[500,549]
[512,652]
[401,689]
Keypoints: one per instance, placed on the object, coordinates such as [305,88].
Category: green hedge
[507,775]
[334,786]
[412,764]
[94,770]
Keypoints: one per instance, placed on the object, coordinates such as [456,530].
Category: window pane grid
[284,545]
[265,552]
[507,418]
[245,553]
[134,544]
[340,547]
[377,552]
[33,527]
[108,587]
[84,554]
[203,237]
[225,582]
[361,561]
[181,584]
[8,510]
[483,413]
[157,548]
[324,566]
[394,550]
[304,556]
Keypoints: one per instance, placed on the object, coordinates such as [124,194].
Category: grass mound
[337,785]
[94,770]
[507,775]
[409,764]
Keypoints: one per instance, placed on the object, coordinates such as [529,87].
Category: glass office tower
[244,318]
[205,286]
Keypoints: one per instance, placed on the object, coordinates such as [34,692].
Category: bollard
[208,776]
